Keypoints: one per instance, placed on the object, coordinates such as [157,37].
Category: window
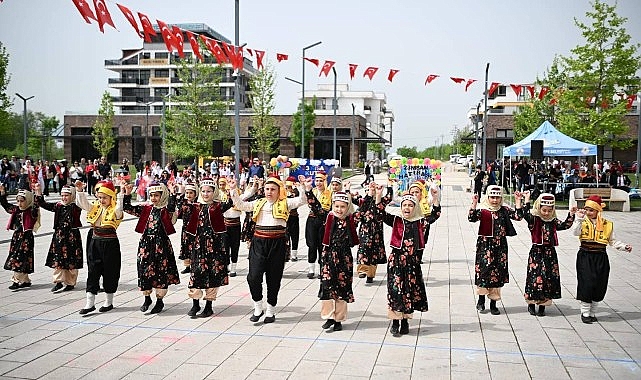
[499,150]
[136,130]
[162,55]
[320,104]
[500,91]
[161,73]
[504,133]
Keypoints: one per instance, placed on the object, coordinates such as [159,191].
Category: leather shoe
[85,311]
[541,312]
[192,312]
[256,318]
[104,309]
[232,274]
[311,275]
[57,287]
[186,270]
[530,309]
[405,327]
[585,319]
[495,311]
[157,307]
[593,319]
[328,323]
[14,286]
[362,275]
[68,288]
[394,330]
[206,313]
[269,319]
[293,259]
[370,280]
[25,285]
[146,304]
[480,306]
[338,326]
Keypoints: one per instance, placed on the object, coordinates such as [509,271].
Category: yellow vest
[425,207]
[108,218]
[279,209]
[589,233]
[324,198]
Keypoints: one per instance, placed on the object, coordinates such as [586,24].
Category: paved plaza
[42,336]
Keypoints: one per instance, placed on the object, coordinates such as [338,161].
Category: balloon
[426,161]
[404,160]
[438,176]
[273,161]
[285,158]
[392,170]
[415,161]
[392,176]
[393,163]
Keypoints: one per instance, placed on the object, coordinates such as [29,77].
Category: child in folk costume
[315,222]
[249,225]
[24,220]
[268,248]
[405,286]
[209,258]
[187,241]
[419,190]
[293,222]
[491,265]
[592,264]
[156,263]
[371,247]
[65,252]
[337,267]
[232,224]
[543,280]
[103,247]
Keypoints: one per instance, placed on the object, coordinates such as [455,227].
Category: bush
[360,165]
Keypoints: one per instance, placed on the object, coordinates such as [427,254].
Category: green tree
[40,132]
[264,130]
[310,121]
[5,101]
[405,151]
[103,135]
[377,148]
[199,113]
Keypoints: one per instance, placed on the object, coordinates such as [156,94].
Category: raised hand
[580,213]
[573,210]
[128,188]
[231,184]
[80,186]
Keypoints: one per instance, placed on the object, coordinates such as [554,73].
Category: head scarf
[596,203]
[210,183]
[159,187]
[545,199]
[28,196]
[282,194]
[492,191]
[342,196]
[72,194]
[416,213]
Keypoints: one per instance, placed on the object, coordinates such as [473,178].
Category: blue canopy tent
[555,144]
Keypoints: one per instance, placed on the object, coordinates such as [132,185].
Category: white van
[454,158]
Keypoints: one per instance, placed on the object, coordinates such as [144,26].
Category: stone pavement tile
[355,363]
[580,373]
[425,367]
[42,365]
[21,327]
[504,352]
[236,367]
[141,376]
[577,356]
[66,373]
[464,375]
[149,348]
[259,346]
[501,370]
[382,372]
[433,347]
[365,343]
[4,351]
[345,377]
[75,331]
[400,354]
[164,362]
[25,339]
[469,361]
[607,349]
[621,370]
[268,374]
[546,368]
[86,343]
[564,337]
[626,340]
[223,350]
[34,350]
[192,371]
[282,358]
[325,351]
[313,370]
[7,366]
[99,356]
[116,368]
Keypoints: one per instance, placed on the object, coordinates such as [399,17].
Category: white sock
[295,253]
[311,267]
[271,310]
[585,308]
[593,307]
[91,300]
[109,300]
[258,307]
[232,267]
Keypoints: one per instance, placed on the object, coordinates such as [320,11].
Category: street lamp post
[302,111]
[487,69]
[334,106]
[476,134]
[638,136]
[237,95]
[352,134]
[163,131]
[147,156]
[24,119]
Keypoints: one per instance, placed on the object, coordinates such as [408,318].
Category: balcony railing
[141,81]
[136,99]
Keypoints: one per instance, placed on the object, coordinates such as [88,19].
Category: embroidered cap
[547,200]
[208,182]
[66,189]
[320,175]
[494,191]
[409,197]
[337,180]
[107,188]
[341,196]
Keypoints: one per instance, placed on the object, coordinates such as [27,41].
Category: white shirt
[83,203]
[265,216]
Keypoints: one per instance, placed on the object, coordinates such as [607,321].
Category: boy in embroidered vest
[267,251]
[65,251]
[405,286]
[293,222]
[491,269]
[156,262]
[187,241]
[232,223]
[592,264]
[209,258]
[103,248]
[337,269]
[315,221]
[543,280]
[24,220]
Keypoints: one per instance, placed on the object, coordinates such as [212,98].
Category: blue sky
[57,57]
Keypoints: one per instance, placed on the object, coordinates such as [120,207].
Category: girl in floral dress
[337,269]
[186,240]
[24,220]
[491,269]
[405,286]
[209,257]
[543,280]
[65,251]
[156,263]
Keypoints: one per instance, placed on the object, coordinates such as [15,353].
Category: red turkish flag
[457,80]
[85,10]
[147,28]
[250,52]
[326,67]
[352,70]
[630,100]
[180,40]
[313,60]
[102,14]
[430,78]
[517,89]
[195,46]
[391,74]
[369,72]
[530,90]
[167,36]
[544,90]
[469,83]
[281,57]
[214,48]
[493,88]
[235,56]
[259,58]
[130,17]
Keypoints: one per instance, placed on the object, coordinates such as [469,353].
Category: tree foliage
[264,130]
[103,135]
[310,121]
[198,116]
[5,101]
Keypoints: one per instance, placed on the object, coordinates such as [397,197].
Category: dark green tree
[5,101]
[103,135]
[310,121]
